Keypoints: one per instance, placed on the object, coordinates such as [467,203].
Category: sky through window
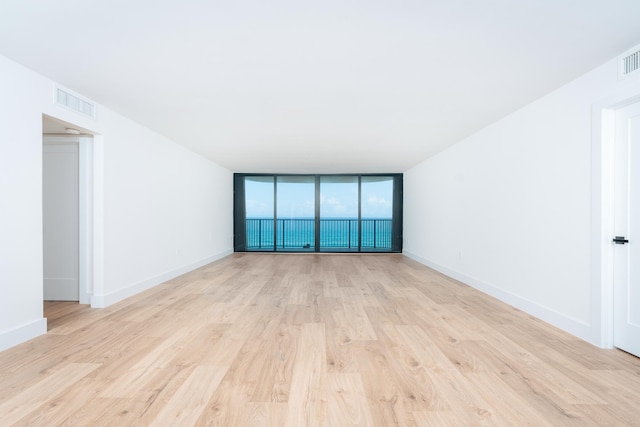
[296,198]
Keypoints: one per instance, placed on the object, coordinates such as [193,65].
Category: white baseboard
[559,320]
[105,300]
[22,333]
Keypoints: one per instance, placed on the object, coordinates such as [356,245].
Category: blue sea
[335,233]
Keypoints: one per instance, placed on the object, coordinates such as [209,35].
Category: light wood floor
[304,340]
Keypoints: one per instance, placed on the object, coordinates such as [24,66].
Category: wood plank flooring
[312,340]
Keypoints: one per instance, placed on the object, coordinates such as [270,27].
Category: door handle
[620,240]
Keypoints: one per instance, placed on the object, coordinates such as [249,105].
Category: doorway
[67,172]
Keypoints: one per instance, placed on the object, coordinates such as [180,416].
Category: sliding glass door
[376,213]
[295,213]
[259,211]
[339,213]
[318,213]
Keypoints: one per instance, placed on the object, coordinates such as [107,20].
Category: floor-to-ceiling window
[259,205]
[318,213]
[295,213]
[376,206]
[339,213]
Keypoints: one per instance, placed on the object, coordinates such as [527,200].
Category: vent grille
[630,64]
[74,103]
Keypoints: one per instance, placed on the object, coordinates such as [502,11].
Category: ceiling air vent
[74,102]
[629,63]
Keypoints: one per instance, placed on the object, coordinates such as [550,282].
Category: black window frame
[239,213]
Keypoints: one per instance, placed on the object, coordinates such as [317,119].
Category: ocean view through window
[298,233]
[318,213]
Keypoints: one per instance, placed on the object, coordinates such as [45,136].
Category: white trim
[98,215]
[105,300]
[23,333]
[602,203]
[85,217]
[559,320]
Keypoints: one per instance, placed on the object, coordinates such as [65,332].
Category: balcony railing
[335,234]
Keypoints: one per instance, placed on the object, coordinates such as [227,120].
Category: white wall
[155,197]
[20,206]
[508,210]
[166,210]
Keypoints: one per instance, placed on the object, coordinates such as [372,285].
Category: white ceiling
[323,86]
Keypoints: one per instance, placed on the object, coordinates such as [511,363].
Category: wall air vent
[629,63]
[74,102]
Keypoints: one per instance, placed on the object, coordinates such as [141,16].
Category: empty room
[319,213]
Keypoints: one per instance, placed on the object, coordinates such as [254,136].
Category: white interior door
[60,221]
[626,334]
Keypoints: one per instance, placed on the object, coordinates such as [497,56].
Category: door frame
[603,122]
